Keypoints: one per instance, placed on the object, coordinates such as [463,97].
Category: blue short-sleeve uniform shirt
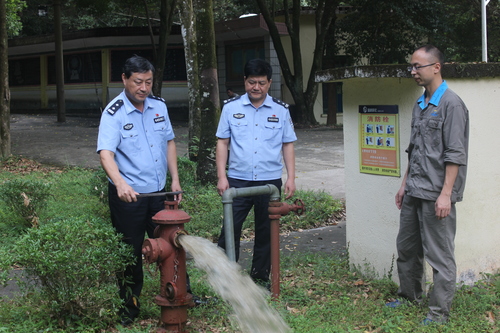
[139,141]
[256,137]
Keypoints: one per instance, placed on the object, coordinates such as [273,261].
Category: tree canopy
[460,38]
[14,8]
[370,32]
[387,31]
[374,32]
[87,14]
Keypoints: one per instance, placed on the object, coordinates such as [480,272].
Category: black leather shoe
[199,301]
[263,283]
[126,321]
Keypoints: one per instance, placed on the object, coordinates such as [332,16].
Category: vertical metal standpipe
[276,210]
[275,249]
[227,201]
[484,30]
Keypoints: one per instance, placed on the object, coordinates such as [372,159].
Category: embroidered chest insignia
[159,119]
[128,126]
[115,107]
[238,115]
[434,113]
[273,119]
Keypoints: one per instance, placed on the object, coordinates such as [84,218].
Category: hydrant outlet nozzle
[177,235]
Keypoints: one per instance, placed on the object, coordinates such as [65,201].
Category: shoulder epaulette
[158,98]
[231,99]
[115,107]
[280,102]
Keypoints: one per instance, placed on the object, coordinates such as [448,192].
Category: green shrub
[74,263]
[99,185]
[204,205]
[26,198]
[187,173]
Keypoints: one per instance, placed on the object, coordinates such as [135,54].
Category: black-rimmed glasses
[415,67]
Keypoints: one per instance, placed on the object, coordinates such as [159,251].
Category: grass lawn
[59,207]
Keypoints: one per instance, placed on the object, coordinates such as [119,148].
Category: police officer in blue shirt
[136,147]
[258,131]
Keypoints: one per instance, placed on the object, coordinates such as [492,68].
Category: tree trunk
[166,14]
[188,30]
[4,86]
[329,62]
[61,103]
[304,100]
[150,29]
[331,119]
[210,102]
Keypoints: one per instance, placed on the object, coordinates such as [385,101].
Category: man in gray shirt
[434,181]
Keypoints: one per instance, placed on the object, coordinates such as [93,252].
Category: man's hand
[176,187]
[222,185]
[399,197]
[290,188]
[443,202]
[443,206]
[126,193]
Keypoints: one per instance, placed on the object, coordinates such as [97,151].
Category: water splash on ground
[248,300]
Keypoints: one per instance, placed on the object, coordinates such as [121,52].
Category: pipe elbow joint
[274,192]
[228,195]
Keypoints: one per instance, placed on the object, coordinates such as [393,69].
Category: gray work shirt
[439,135]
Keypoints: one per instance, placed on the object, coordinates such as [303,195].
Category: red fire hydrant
[171,259]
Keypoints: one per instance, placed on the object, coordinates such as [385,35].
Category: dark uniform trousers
[261,262]
[133,221]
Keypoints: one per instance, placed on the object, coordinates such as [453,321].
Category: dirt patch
[21,165]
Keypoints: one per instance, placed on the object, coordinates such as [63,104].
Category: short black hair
[137,64]
[258,67]
[434,51]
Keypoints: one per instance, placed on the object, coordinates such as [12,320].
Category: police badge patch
[159,119]
[238,115]
[128,126]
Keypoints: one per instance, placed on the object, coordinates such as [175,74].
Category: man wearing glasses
[434,181]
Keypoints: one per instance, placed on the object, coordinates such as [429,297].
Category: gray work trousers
[421,235]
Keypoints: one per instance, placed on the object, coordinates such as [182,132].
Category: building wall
[90,97]
[372,217]
[477,246]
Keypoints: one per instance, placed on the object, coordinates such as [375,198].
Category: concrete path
[319,151]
